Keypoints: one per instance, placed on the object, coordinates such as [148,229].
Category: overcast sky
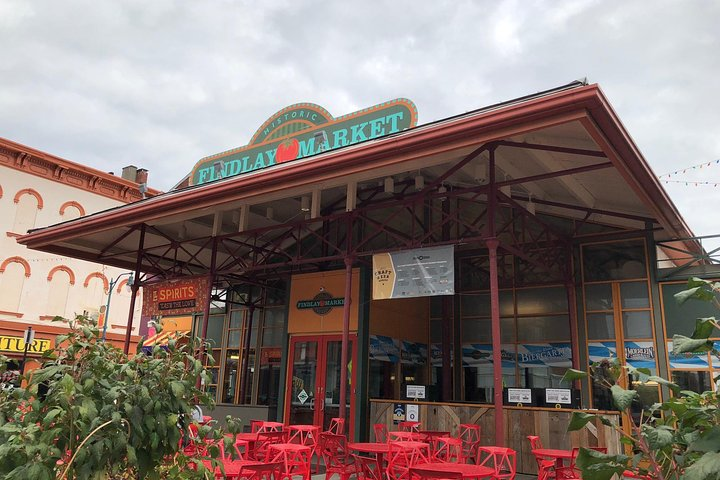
[162,83]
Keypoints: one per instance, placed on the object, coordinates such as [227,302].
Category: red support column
[492,244]
[134,290]
[246,353]
[345,336]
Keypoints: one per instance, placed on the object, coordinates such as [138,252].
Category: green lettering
[259,162]
[393,120]
[340,138]
[232,168]
[271,156]
[245,166]
[358,135]
[307,147]
[202,175]
[377,127]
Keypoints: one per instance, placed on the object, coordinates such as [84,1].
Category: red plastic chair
[296,459]
[448,449]
[469,433]
[428,474]
[401,458]
[264,471]
[262,445]
[333,449]
[546,469]
[381,432]
[409,426]
[367,468]
[535,442]
[337,426]
[502,459]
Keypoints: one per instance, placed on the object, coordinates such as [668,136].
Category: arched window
[71,210]
[28,202]
[60,278]
[96,288]
[13,272]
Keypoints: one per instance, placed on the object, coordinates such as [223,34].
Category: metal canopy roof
[563,150]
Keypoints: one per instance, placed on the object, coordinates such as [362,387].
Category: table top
[552,452]
[369,447]
[405,436]
[465,469]
[288,446]
[303,428]
[246,436]
[377,447]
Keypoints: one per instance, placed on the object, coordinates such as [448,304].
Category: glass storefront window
[600,326]
[637,324]
[543,329]
[228,333]
[541,301]
[634,295]
[598,297]
[694,381]
[614,261]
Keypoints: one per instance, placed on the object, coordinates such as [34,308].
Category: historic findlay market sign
[303,130]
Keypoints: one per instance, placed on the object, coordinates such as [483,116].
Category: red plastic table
[232,468]
[295,458]
[556,454]
[465,469]
[380,449]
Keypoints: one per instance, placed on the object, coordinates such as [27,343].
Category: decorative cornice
[26,159]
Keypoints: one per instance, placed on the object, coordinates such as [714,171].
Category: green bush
[91,412]
[678,439]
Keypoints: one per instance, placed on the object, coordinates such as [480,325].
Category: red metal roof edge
[588,98]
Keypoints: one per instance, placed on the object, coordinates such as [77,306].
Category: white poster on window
[412,413]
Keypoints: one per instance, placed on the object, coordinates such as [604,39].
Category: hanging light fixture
[305,204]
[442,189]
[389,185]
[481,172]
[419,182]
[530,206]
[269,212]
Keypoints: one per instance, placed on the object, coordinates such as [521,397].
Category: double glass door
[314,381]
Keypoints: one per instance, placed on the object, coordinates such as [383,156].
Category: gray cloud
[164,83]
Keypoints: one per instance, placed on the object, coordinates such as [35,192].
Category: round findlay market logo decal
[321,303]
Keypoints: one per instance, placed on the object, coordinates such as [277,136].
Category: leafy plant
[92,412]
[676,439]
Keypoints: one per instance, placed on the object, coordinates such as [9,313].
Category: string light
[692,183]
[694,167]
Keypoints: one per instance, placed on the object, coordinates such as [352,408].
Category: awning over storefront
[564,151]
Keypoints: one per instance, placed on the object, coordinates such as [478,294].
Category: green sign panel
[303,130]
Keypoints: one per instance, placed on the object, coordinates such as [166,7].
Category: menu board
[423,272]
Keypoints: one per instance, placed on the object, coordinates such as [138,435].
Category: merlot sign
[303,130]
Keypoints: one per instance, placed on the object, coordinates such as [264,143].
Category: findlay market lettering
[376,122]
[331,302]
